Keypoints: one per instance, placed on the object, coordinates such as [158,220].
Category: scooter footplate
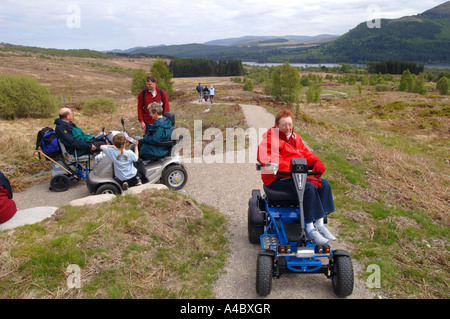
[270,242]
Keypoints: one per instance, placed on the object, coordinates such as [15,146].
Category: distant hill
[242,40]
[251,48]
[424,37]
[421,38]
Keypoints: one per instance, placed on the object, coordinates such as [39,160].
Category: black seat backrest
[171,117]
[278,196]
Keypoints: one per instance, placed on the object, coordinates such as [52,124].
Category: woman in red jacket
[7,205]
[281,144]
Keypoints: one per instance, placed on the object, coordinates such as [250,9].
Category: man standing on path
[199,89]
[152,93]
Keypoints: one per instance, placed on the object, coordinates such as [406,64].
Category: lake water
[331,65]
[298,65]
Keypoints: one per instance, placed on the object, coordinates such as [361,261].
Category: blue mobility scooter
[276,222]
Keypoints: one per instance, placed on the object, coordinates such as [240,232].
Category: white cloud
[124,24]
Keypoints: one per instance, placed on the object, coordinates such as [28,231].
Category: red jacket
[7,205]
[276,148]
[143,112]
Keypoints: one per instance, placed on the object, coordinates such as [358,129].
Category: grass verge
[157,244]
[390,204]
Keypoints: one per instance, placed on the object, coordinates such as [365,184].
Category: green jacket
[159,132]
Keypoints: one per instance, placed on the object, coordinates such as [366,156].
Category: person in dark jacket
[159,132]
[7,205]
[72,136]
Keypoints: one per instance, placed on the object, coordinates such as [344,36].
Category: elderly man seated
[72,136]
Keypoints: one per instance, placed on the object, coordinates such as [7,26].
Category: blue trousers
[317,202]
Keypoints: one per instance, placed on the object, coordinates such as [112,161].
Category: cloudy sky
[123,24]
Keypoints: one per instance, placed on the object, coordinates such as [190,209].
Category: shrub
[406,81]
[138,81]
[248,85]
[443,85]
[286,83]
[160,70]
[99,105]
[24,97]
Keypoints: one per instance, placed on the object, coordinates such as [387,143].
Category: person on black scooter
[160,131]
[280,144]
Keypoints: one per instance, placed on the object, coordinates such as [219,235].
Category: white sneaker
[323,230]
[317,238]
[139,182]
[125,186]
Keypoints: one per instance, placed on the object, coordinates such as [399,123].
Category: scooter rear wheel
[107,189]
[59,183]
[175,177]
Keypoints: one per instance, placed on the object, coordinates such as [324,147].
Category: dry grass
[133,247]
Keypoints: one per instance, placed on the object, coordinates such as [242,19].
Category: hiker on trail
[205,93]
[199,89]
[72,136]
[7,205]
[211,94]
[152,93]
[281,144]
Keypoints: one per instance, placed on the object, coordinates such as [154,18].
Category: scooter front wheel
[175,177]
[264,274]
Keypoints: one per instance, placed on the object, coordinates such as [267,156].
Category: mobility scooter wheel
[59,183]
[264,274]
[107,189]
[342,276]
[256,218]
[175,177]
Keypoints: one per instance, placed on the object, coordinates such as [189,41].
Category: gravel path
[227,186]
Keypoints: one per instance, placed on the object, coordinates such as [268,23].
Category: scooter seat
[275,195]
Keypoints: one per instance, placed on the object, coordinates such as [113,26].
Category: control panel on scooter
[299,165]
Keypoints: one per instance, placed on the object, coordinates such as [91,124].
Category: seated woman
[7,205]
[280,144]
[159,132]
[124,168]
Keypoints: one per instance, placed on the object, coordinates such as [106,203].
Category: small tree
[443,85]
[285,81]
[313,93]
[160,70]
[418,85]
[248,85]
[138,81]
[406,81]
